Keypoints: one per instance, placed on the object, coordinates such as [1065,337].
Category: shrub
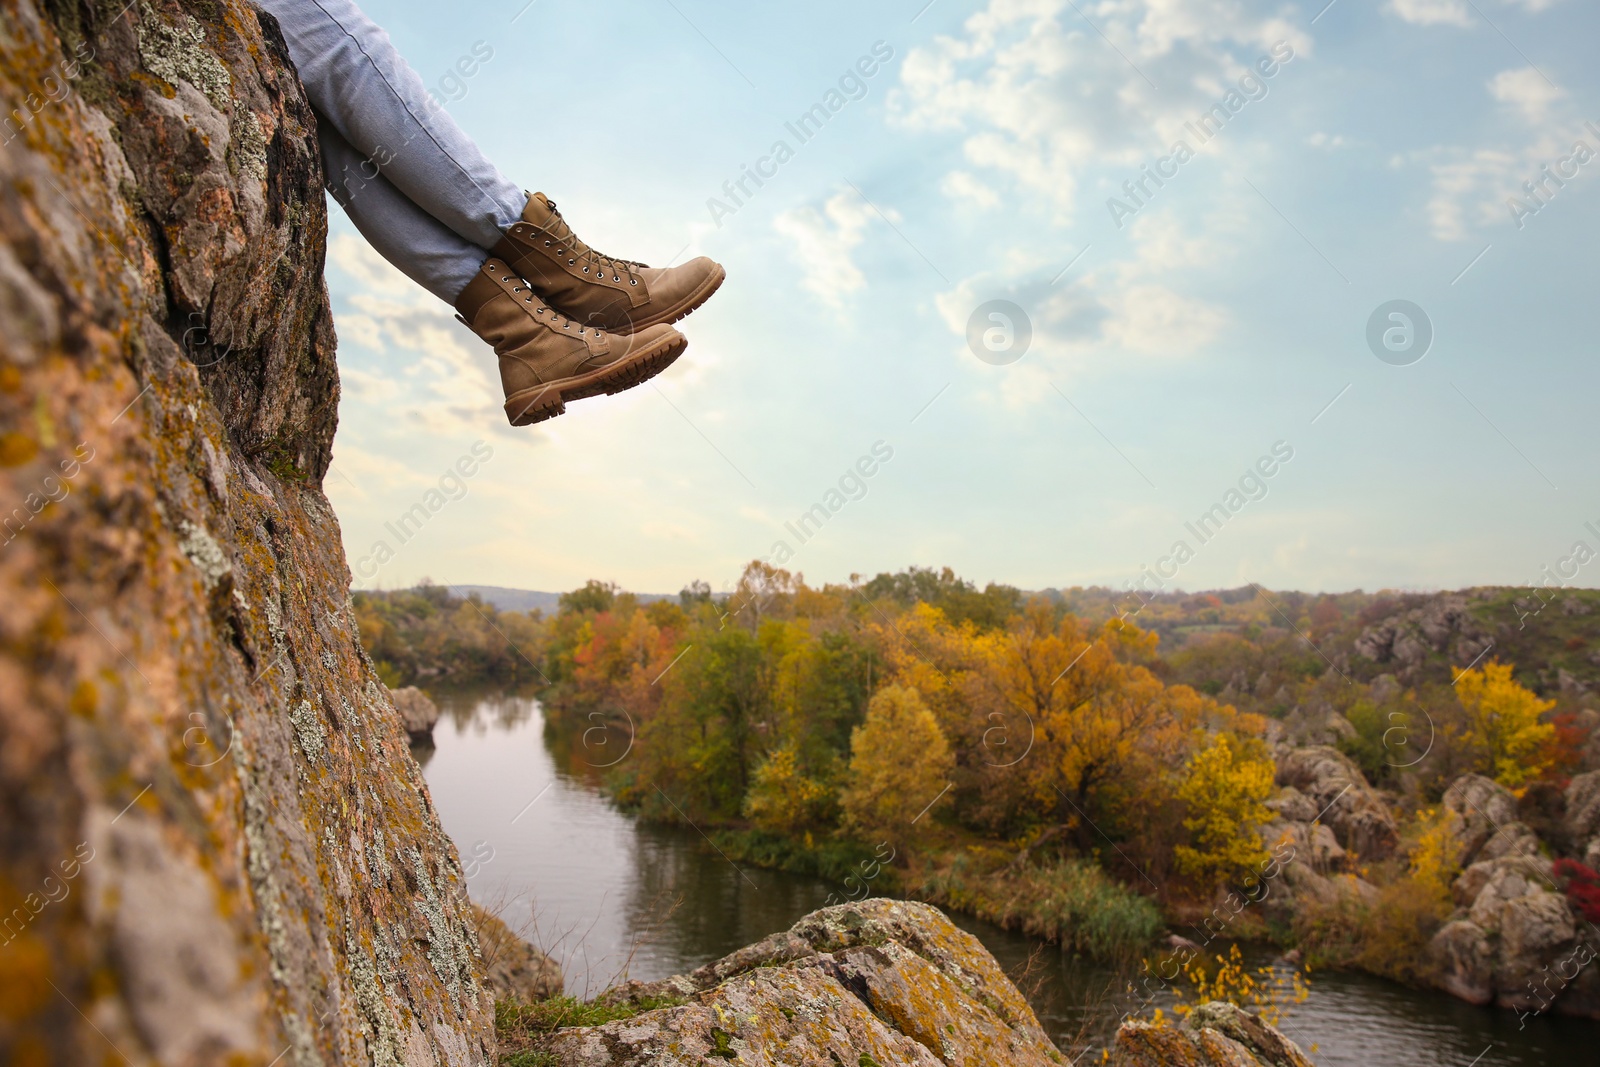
[1073,903]
[1582,885]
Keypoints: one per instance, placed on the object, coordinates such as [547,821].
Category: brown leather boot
[596,289]
[546,359]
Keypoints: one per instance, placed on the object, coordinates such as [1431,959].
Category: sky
[959,283]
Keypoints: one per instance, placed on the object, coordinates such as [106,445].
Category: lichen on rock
[179,671]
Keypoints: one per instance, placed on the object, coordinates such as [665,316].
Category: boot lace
[553,318]
[569,244]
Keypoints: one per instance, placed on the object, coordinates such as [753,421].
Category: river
[610,897]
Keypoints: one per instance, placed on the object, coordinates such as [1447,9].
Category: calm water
[609,898]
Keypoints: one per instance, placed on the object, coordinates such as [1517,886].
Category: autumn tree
[1504,726]
[899,766]
[782,797]
[1223,790]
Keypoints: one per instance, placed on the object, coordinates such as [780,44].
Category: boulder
[1515,932]
[1316,724]
[1478,809]
[1536,929]
[1293,805]
[190,724]
[1314,844]
[1216,1034]
[1511,840]
[418,714]
[880,981]
[516,970]
[1358,814]
[1583,818]
[1461,961]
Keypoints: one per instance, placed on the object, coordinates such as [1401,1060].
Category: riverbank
[612,897]
[1068,902]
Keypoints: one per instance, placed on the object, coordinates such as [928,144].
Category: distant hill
[531,599]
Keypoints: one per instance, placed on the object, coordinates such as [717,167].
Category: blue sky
[1174,340]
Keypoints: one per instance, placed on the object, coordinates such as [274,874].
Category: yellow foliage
[1224,791]
[780,797]
[1268,992]
[1052,716]
[899,763]
[1504,724]
[1433,860]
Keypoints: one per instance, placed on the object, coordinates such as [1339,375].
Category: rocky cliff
[214,846]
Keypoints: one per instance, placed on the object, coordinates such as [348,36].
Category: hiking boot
[546,359]
[595,289]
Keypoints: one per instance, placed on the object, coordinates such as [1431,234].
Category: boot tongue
[539,209]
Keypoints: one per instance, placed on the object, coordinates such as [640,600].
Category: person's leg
[378,104]
[423,248]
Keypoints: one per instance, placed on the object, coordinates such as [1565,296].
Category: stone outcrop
[1513,934]
[881,981]
[1440,627]
[1212,1035]
[1358,815]
[216,847]
[1583,818]
[418,714]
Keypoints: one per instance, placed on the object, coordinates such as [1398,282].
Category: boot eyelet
[633,281]
[586,270]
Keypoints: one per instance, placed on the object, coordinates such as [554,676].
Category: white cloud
[1527,90]
[1433,12]
[367,268]
[1471,186]
[962,186]
[1465,192]
[1456,12]
[1039,97]
[430,372]
[1154,320]
[1126,306]
[824,240]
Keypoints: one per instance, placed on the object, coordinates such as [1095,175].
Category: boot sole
[528,406]
[691,303]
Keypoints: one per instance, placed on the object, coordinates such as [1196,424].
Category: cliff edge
[214,845]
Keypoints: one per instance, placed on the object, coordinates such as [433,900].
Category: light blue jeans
[416,187]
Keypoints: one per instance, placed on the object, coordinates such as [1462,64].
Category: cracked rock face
[214,845]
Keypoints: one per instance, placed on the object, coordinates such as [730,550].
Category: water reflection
[609,899]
